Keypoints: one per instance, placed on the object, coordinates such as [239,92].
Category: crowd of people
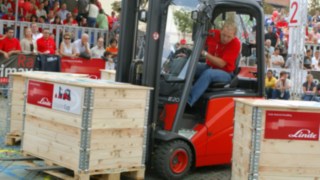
[35,42]
[87,13]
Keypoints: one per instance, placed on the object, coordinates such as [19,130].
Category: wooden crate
[108,74]
[16,98]
[108,133]
[266,144]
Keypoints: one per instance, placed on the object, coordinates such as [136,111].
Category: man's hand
[6,55]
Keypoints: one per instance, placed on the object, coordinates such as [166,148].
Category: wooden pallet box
[108,74]
[16,96]
[97,126]
[276,140]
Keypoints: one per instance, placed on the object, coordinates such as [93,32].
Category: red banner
[83,66]
[292,125]
[40,93]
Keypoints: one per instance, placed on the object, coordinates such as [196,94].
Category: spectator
[282,87]
[277,60]
[76,16]
[28,45]
[268,47]
[9,15]
[57,20]
[56,7]
[34,19]
[272,36]
[6,6]
[51,17]
[307,62]
[41,12]
[46,6]
[116,26]
[98,50]
[66,48]
[82,7]
[113,16]
[46,44]
[102,20]
[10,45]
[70,21]
[107,56]
[309,89]
[42,20]
[93,12]
[282,23]
[316,17]
[82,46]
[83,22]
[315,59]
[35,32]
[270,84]
[63,12]
[113,47]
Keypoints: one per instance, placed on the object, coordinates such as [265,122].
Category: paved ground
[16,170]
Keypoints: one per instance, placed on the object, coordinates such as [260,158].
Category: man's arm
[215,60]
[5,54]
[88,48]
[14,52]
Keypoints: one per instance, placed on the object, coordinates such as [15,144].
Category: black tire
[172,160]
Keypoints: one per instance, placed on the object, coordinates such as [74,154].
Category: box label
[56,96]
[40,94]
[68,98]
[292,125]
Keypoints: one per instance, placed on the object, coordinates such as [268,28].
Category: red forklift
[180,139]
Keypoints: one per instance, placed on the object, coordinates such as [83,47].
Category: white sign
[295,13]
[67,98]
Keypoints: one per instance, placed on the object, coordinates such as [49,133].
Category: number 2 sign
[295,13]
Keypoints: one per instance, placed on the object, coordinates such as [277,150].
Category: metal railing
[59,30]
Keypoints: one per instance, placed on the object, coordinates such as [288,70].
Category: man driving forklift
[223,49]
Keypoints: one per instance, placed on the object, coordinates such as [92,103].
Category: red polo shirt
[8,45]
[46,44]
[7,17]
[228,52]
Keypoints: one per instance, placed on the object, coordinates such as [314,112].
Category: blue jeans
[307,97]
[277,95]
[92,22]
[205,75]
[269,92]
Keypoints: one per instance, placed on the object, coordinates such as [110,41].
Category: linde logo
[304,134]
[44,101]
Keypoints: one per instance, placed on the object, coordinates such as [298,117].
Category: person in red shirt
[10,45]
[46,44]
[223,49]
[9,16]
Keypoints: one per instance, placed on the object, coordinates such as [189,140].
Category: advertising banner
[83,66]
[15,63]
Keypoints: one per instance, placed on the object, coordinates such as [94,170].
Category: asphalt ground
[16,170]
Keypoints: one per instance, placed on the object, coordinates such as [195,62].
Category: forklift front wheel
[173,159]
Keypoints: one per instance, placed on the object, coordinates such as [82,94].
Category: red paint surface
[292,125]
[40,93]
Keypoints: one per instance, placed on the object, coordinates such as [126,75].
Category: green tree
[314,5]
[116,6]
[183,20]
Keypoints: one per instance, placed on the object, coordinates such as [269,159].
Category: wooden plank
[119,103]
[292,171]
[116,143]
[101,134]
[120,93]
[115,164]
[47,114]
[117,123]
[290,147]
[287,178]
[118,113]
[289,160]
[116,153]
[139,174]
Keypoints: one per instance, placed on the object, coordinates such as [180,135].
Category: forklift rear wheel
[173,159]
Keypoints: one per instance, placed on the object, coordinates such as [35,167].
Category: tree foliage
[314,5]
[183,20]
[116,6]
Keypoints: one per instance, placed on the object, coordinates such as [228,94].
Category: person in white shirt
[98,50]
[82,46]
[268,47]
[93,13]
[41,12]
[63,12]
[35,32]
[315,59]
[277,60]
